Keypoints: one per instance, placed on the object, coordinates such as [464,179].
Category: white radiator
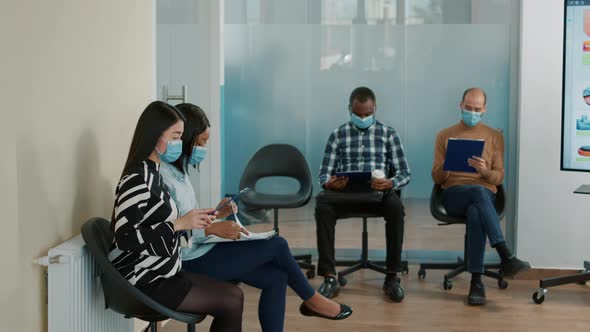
[75,299]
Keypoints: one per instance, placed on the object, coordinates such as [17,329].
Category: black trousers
[326,215]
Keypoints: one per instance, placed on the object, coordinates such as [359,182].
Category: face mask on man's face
[471,118]
[362,123]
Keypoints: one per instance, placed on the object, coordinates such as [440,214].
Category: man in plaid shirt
[363,144]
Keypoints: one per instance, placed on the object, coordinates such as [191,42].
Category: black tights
[222,300]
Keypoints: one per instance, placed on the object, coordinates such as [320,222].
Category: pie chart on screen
[584,151]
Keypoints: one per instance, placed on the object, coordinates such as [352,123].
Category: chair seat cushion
[271,201]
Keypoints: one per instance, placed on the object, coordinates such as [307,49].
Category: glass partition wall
[289,67]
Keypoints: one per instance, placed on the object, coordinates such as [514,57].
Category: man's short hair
[485,97]
[362,94]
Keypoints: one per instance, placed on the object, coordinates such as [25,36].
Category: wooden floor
[427,306]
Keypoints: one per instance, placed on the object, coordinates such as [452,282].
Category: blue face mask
[173,151]
[362,123]
[199,153]
[471,118]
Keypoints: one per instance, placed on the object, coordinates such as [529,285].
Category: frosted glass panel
[290,67]
[291,83]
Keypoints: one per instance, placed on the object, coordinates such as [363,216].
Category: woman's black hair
[153,122]
[195,124]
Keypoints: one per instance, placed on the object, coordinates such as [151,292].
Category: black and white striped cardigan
[145,247]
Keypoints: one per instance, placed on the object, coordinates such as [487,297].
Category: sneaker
[514,266]
[477,294]
[393,289]
[329,288]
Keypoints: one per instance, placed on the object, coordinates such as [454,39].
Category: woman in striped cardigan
[149,231]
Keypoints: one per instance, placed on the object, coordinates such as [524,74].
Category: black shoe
[513,266]
[393,289]
[345,312]
[329,288]
[477,294]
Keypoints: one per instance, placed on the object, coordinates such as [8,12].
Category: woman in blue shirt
[265,264]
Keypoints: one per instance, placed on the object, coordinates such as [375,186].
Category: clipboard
[459,150]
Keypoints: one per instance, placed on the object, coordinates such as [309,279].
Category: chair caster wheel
[421,274]
[342,281]
[405,268]
[539,296]
[447,284]
[502,284]
[310,274]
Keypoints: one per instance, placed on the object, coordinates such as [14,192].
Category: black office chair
[439,213]
[119,294]
[279,160]
[363,262]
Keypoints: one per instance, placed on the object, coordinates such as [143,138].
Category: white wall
[79,74]
[553,223]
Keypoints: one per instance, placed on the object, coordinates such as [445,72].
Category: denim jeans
[476,203]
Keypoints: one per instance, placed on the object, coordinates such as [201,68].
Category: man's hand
[226,229]
[336,183]
[480,166]
[381,184]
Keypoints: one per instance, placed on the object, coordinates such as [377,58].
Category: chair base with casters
[439,213]
[363,262]
[459,267]
[304,261]
[577,278]
[120,295]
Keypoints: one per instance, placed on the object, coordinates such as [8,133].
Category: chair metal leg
[364,262]
[563,280]
[492,274]
[190,328]
[351,269]
[376,267]
[458,270]
[153,326]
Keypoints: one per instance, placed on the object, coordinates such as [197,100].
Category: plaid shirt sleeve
[399,164]
[330,161]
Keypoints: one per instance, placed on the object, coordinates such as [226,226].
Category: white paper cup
[378,174]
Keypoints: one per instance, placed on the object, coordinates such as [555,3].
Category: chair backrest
[438,211]
[279,160]
[119,294]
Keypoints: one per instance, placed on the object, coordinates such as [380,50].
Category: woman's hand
[226,229]
[196,218]
[228,209]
